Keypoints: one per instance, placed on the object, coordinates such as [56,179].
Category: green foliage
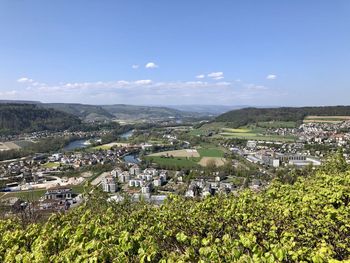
[17,118]
[241,117]
[210,152]
[308,221]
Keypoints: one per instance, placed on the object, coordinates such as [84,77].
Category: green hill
[246,116]
[307,221]
[16,118]
[83,111]
[122,111]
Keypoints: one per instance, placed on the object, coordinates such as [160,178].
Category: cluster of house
[79,159]
[202,187]
[319,133]
[135,178]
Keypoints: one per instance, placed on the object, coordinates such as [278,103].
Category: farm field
[249,132]
[330,119]
[217,160]
[253,133]
[210,152]
[257,137]
[277,124]
[182,162]
[190,153]
[6,146]
[189,158]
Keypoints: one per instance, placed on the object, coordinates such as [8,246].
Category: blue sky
[176,52]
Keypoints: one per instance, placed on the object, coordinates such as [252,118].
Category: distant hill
[122,111]
[91,113]
[207,109]
[16,118]
[83,111]
[252,115]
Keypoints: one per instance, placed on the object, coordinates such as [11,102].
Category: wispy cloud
[151,65]
[271,76]
[201,76]
[25,80]
[8,94]
[143,82]
[135,66]
[216,75]
[143,91]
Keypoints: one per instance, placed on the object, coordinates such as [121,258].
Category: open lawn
[210,152]
[25,195]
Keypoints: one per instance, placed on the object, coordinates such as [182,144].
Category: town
[141,164]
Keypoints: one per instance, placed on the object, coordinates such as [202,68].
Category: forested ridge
[253,115]
[308,221]
[17,118]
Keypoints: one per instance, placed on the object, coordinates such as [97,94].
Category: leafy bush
[308,221]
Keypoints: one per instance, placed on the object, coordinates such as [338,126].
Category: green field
[278,124]
[239,130]
[50,165]
[210,152]
[37,193]
[26,195]
[249,132]
[331,119]
[101,147]
[182,162]
[257,137]
[205,150]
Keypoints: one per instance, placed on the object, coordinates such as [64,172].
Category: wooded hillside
[16,118]
[246,116]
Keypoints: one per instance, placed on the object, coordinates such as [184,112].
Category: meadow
[188,158]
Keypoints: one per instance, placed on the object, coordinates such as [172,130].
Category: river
[127,135]
[132,158]
[83,143]
[77,144]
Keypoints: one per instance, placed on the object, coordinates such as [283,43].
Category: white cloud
[151,65]
[135,66]
[224,83]
[201,76]
[143,82]
[271,77]
[216,75]
[9,93]
[254,87]
[143,91]
[24,80]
